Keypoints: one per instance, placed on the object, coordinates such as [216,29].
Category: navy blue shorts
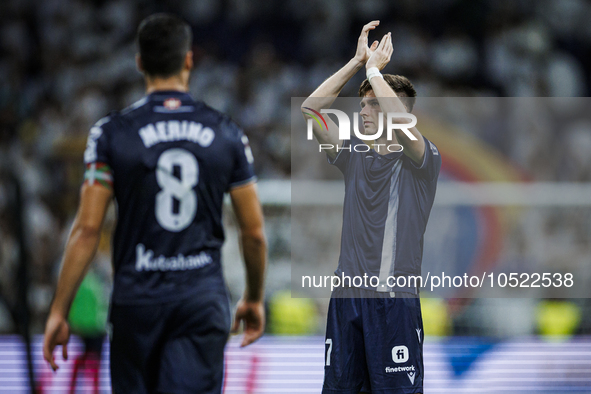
[373,345]
[175,347]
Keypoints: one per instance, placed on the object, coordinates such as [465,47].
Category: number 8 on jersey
[173,188]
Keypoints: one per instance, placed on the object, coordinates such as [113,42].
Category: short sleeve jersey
[388,199]
[170,159]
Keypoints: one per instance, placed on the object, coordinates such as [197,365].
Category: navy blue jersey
[171,160]
[388,199]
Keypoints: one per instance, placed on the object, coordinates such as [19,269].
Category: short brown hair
[401,86]
[163,41]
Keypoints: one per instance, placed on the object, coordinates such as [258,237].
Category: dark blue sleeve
[97,145]
[431,165]
[341,160]
[242,172]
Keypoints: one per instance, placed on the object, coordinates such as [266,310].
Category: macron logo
[411,377]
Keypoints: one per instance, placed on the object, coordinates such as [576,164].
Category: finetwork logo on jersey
[400,355]
[345,128]
[410,368]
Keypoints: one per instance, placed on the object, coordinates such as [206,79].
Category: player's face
[370,113]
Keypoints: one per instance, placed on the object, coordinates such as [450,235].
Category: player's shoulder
[108,124]
[134,108]
[226,126]
[431,146]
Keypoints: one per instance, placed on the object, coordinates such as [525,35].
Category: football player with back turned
[167,160]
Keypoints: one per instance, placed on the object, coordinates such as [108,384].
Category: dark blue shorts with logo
[174,347]
[374,343]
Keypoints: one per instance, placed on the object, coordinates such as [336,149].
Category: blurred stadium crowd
[64,64]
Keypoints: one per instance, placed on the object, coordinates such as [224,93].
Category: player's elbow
[254,237]
[86,230]
[305,107]
[304,110]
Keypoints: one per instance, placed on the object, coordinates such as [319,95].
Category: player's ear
[138,63]
[189,60]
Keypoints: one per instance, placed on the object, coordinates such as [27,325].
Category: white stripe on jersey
[390,229]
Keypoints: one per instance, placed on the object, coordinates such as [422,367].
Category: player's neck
[178,83]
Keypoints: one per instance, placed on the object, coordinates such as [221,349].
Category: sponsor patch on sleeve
[433,148]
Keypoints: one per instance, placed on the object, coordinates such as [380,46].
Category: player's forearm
[390,103]
[323,97]
[328,91]
[80,250]
[383,91]
[254,249]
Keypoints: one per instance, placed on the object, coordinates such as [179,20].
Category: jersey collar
[372,152]
[164,94]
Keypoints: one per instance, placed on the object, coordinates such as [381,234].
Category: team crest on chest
[172,103]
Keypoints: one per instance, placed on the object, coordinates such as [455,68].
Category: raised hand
[364,52]
[381,56]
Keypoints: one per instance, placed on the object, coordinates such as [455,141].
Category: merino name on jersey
[174,130]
